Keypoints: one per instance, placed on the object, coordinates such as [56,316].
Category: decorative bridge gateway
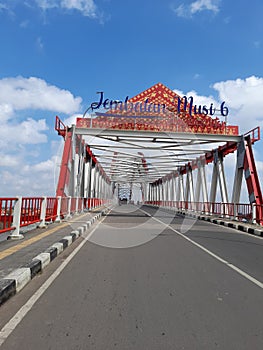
[163,146]
[156,144]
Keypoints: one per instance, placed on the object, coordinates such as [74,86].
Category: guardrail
[251,213]
[18,212]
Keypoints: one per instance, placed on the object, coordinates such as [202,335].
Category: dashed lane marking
[231,266]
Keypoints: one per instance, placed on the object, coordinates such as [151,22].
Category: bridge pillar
[181,188]
[155,192]
[189,188]
[201,184]
[171,189]
[172,193]
[92,185]
[146,191]
[239,172]
[218,175]
[87,177]
[96,181]
[166,191]
[149,192]
[198,184]
[177,187]
[98,185]
[174,190]
[153,196]
[156,198]
[222,179]
[75,175]
[158,191]
[102,187]
[214,181]
[162,190]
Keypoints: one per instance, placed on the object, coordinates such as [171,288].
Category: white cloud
[23,94]
[244,99]
[85,7]
[3,7]
[188,10]
[6,111]
[24,24]
[34,93]
[47,4]
[30,131]
[39,44]
[197,76]
[227,20]
[72,119]
[199,99]
[21,135]
[201,5]
[46,165]
[8,161]
[29,180]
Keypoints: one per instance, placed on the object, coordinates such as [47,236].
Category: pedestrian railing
[251,213]
[19,212]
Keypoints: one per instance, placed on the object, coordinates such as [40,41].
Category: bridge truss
[164,155]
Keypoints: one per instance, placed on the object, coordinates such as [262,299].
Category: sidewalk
[21,260]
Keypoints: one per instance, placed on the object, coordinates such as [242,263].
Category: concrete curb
[232,224]
[19,278]
[257,230]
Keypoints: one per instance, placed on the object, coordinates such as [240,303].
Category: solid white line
[233,267]
[18,317]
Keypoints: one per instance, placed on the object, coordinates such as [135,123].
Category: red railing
[30,211]
[254,134]
[6,218]
[41,209]
[51,208]
[60,127]
[73,205]
[228,210]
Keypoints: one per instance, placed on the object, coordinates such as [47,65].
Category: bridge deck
[170,291]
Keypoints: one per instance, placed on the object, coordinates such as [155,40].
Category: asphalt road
[138,283]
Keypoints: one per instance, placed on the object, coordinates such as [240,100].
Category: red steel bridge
[156,148]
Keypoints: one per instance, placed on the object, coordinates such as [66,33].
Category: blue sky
[55,55]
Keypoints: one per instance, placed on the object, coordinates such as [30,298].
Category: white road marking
[233,267]
[18,317]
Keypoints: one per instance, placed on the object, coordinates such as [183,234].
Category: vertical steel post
[43,211]
[16,220]
[58,218]
[69,208]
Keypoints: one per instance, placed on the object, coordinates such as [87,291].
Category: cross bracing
[145,156]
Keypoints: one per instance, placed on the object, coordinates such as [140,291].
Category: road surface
[145,279]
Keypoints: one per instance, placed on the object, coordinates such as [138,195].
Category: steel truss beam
[163,162]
